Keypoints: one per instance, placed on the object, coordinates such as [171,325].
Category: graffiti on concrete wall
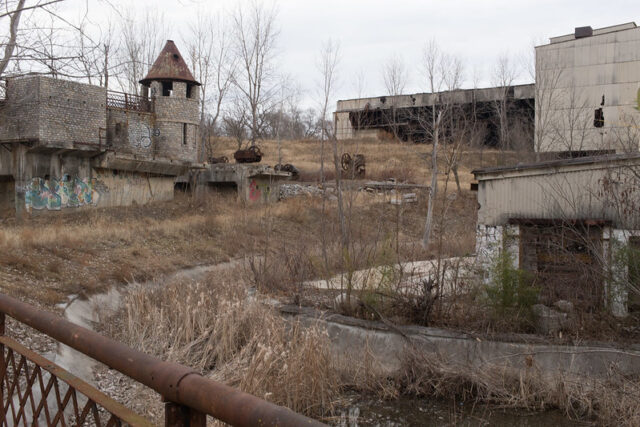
[140,134]
[68,192]
[257,189]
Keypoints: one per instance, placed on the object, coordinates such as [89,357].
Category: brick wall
[132,132]
[54,112]
[172,113]
[19,113]
[71,112]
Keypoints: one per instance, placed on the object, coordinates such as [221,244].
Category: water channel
[360,411]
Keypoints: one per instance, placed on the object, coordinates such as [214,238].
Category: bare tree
[235,122]
[142,38]
[394,75]
[441,72]
[209,51]
[35,41]
[504,74]
[95,48]
[572,123]
[255,36]
[547,77]
[10,42]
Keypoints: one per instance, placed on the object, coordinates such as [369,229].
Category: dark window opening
[118,129]
[167,88]
[189,91]
[184,134]
[598,119]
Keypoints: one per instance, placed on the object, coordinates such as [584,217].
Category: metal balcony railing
[35,391]
[128,101]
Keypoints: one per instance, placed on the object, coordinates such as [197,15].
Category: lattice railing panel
[34,391]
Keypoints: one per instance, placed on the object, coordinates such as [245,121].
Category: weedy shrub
[511,290]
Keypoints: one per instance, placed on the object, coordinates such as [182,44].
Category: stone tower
[175,95]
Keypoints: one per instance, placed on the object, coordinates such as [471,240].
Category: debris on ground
[400,199]
[293,190]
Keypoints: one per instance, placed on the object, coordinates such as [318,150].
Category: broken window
[167,88]
[598,119]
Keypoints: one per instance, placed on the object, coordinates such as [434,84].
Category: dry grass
[235,339]
[384,159]
[612,401]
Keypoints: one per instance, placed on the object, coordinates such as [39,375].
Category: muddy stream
[362,411]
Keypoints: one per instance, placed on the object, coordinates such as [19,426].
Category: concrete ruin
[65,144]
[253,183]
[408,116]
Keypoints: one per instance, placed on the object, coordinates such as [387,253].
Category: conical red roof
[169,65]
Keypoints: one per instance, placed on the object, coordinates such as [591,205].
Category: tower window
[184,134]
[167,88]
[189,90]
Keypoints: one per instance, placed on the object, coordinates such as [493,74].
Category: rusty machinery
[252,154]
[221,159]
[353,166]
[295,173]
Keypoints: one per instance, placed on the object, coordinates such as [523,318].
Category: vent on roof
[582,32]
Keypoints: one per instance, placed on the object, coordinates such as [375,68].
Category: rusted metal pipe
[173,381]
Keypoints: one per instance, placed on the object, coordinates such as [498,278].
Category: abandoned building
[573,223]
[65,144]
[408,116]
[588,91]
[569,222]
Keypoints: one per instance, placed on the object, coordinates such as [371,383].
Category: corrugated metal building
[568,222]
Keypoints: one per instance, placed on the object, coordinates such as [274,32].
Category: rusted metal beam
[175,382]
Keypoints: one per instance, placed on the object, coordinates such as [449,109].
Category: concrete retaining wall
[351,337]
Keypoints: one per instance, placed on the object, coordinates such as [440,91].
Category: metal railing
[35,391]
[128,101]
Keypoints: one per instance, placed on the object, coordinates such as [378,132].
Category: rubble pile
[294,190]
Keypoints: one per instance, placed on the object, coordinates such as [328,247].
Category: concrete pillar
[21,211]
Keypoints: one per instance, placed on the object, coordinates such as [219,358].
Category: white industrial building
[588,91]
[574,223]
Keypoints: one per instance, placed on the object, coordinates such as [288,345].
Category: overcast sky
[370,31]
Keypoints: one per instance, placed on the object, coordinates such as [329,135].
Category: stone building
[588,91]
[65,144]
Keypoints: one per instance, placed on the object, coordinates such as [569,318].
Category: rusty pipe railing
[177,384]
